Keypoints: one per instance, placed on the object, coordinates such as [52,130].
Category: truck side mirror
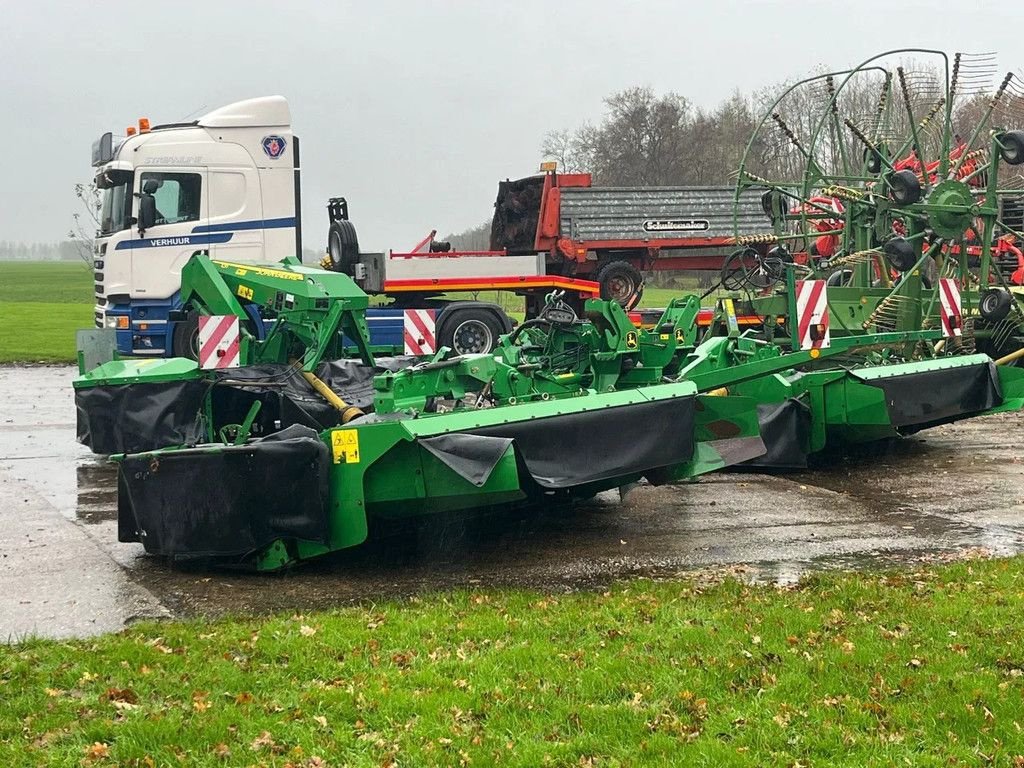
[147,213]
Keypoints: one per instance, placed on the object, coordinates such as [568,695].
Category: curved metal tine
[877,63]
[1009,112]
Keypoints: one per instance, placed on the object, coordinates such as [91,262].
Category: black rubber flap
[130,418]
[288,398]
[785,428]
[926,399]
[472,457]
[353,381]
[230,502]
[590,446]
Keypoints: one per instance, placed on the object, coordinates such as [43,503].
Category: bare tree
[640,141]
[564,148]
[86,222]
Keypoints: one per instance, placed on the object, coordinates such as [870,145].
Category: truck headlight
[110,321]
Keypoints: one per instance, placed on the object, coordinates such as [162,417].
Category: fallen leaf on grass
[261,741]
[120,696]
[98,751]
[222,751]
[307,631]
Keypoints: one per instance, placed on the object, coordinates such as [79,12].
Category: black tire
[185,342]
[904,188]
[839,278]
[900,254]
[343,246]
[620,282]
[994,305]
[930,273]
[773,203]
[873,160]
[1013,147]
[469,331]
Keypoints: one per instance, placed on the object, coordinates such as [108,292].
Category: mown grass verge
[42,304]
[38,332]
[921,668]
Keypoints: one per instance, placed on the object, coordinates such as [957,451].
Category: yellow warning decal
[245,292]
[345,446]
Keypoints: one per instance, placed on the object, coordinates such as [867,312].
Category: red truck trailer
[611,234]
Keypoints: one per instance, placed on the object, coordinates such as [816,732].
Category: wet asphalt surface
[944,492]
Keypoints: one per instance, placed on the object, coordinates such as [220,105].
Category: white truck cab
[227,183]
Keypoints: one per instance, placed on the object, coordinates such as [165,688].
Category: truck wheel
[994,305]
[186,338]
[470,332]
[343,246]
[621,282]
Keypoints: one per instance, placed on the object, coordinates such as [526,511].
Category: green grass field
[48,301]
[922,669]
[42,304]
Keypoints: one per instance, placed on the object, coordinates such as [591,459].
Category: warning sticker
[345,446]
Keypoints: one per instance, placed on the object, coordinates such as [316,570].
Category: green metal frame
[557,366]
[947,209]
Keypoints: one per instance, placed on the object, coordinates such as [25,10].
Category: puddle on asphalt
[97,492]
[754,524]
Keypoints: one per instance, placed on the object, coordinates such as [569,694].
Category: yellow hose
[348,412]
[1011,357]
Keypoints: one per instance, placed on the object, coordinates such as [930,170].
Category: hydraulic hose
[533,323]
[348,412]
[1011,357]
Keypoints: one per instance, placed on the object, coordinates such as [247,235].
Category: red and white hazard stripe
[949,307]
[219,341]
[418,330]
[812,314]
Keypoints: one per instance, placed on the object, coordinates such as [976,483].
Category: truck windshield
[117,203]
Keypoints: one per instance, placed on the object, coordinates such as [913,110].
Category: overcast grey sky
[413,111]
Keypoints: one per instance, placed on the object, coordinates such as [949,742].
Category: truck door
[236,210]
[182,213]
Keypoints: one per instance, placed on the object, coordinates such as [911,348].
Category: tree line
[66,250]
[649,139]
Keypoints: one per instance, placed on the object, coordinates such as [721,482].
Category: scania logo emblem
[274,146]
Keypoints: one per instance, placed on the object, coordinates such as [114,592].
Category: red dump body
[579,226]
